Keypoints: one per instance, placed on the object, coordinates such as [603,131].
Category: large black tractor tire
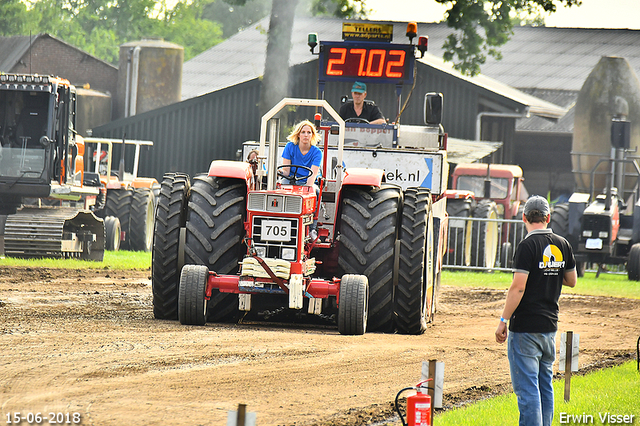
[141,220]
[633,263]
[559,224]
[167,257]
[414,295]
[192,302]
[119,205]
[368,233]
[354,304]
[485,236]
[458,229]
[112,233]
[517,232]
[215,235]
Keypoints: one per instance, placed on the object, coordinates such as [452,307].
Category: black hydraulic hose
[412,388]
[398,407]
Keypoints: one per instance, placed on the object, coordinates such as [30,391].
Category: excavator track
[54,232]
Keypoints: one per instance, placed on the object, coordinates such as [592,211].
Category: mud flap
[296,300]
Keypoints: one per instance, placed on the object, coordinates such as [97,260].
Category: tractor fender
[355,176]
[459,194]
[231,169]
[144,182]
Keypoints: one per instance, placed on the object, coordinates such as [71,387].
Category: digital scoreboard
[367,62]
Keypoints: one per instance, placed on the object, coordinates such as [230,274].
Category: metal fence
[482,244]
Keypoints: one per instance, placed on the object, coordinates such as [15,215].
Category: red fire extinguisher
[418,406]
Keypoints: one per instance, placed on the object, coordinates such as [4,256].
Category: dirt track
[86,342]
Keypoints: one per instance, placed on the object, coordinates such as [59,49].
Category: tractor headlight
[603,234]
[261,251]
[288,253]
[587,233]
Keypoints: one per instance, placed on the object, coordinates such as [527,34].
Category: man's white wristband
[503,320]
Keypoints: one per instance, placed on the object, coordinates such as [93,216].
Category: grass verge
[112,260]
[611,391]
[613,285]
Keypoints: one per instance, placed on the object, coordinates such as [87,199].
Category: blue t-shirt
[312,158]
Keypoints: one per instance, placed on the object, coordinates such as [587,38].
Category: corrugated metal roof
[12,49]
[566,98]
[535,52]
[241,58]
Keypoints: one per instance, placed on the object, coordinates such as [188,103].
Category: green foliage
[592,394]
[235,15]
[99,27]
[14,18]
[114,260]
[485,25]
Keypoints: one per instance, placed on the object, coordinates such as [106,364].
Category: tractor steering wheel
[294,177]
[356,120]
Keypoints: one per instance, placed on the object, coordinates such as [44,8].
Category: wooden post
[567,365]
[242,411]
[432,385]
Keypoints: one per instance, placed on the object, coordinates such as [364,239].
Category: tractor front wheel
[633,263]
[112,232]
[192,302]
[353,305]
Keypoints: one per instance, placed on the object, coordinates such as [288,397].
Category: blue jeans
[531,357]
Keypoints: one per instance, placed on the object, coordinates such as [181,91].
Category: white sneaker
[313,234]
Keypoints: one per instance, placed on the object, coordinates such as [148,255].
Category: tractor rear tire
[112,233]
[353,305]
[141,220]
[414,296]
[192,302]
[559,224]
[119,205]
[458,228]
[166,256]
[633,263]
[368,233]
[215,235]
[485,236]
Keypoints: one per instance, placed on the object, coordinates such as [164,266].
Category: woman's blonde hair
[294,136]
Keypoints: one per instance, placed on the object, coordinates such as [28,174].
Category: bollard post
[432,388]
[242,412]
[567,366]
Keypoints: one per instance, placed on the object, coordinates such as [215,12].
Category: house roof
[534,57]
[12,49]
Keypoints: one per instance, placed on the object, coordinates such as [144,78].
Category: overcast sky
[591,14]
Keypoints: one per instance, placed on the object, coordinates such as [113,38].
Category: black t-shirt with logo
[545,257]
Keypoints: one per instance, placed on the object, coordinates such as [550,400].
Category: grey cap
[536,202]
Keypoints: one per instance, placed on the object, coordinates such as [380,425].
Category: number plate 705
[276,230]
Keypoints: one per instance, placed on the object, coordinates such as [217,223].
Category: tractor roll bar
[300,102]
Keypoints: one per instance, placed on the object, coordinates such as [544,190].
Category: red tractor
[484,191]
[237,241]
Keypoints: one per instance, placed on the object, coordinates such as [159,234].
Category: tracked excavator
[48,203]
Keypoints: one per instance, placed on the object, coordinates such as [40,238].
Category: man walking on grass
[543,263]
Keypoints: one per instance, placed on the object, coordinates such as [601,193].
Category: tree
[485,25]
[99,27]
[17,18]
